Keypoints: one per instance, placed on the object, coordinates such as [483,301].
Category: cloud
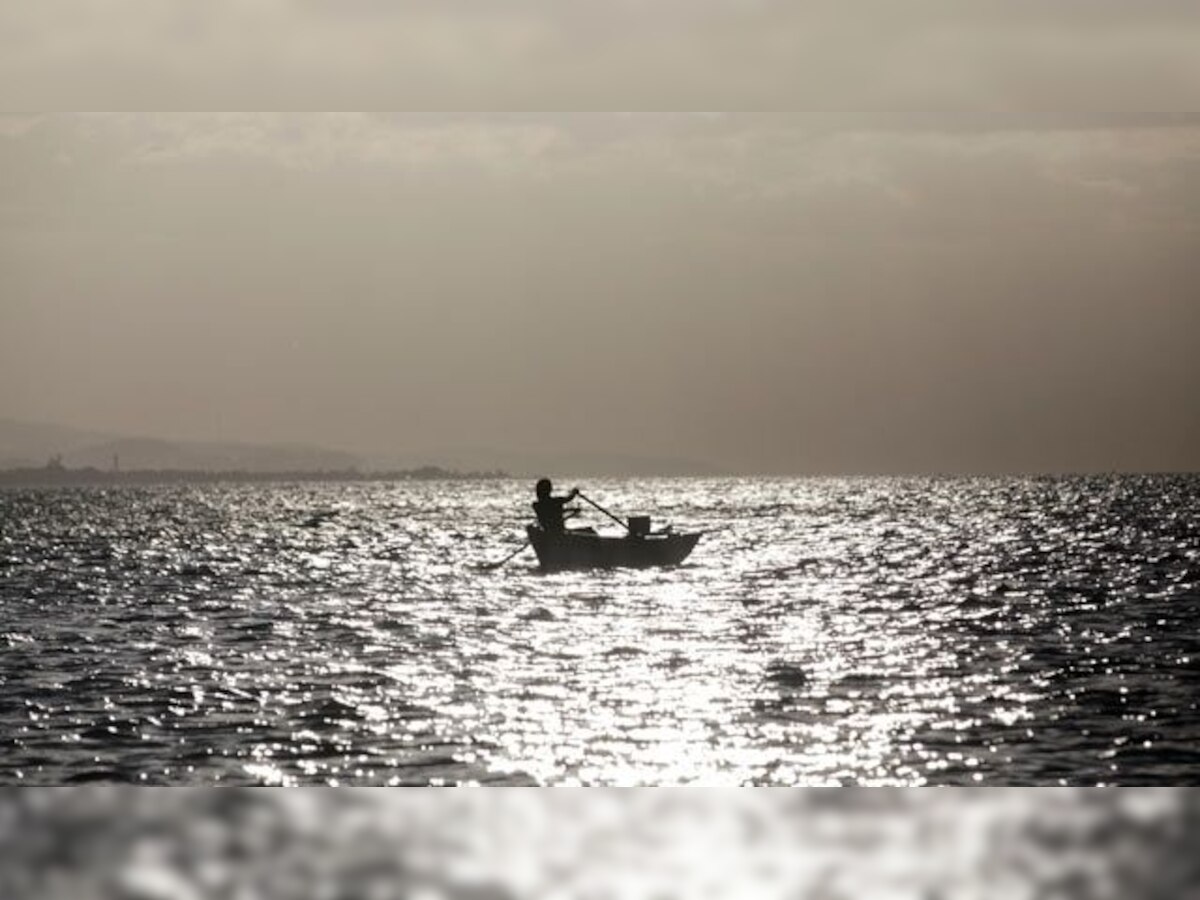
[314,141]
[12,126]
[870,175]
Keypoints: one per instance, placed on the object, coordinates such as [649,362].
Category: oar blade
[488,567]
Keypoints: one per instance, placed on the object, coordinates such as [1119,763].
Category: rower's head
[544,487]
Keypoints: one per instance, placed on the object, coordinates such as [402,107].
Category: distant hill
[148,453]
[27,444]
[32,444]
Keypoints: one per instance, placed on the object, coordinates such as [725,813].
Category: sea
[825,631]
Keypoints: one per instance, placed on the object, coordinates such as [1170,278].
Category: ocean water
[825,631]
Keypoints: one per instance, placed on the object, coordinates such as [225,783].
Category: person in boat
[549,508]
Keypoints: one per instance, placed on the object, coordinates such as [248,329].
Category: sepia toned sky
[945,55]
[990,271]
[766,292]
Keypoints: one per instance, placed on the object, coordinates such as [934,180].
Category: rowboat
[588,550]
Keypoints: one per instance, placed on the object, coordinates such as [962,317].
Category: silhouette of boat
[588,550]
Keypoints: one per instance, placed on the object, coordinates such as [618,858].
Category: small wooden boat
[588,550]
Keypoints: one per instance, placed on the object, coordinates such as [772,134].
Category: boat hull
[582,550]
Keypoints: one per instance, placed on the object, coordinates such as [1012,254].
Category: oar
[490,566]
[619,521]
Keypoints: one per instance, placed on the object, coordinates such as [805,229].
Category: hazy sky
[768,292]
[1006,55]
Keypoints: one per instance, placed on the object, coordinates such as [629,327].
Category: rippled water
[831,631]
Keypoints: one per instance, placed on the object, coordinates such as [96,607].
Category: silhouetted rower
[549,508]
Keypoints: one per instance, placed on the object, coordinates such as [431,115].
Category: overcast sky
[781,293]
[1004,55]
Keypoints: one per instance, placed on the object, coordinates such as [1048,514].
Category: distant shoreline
[51,476]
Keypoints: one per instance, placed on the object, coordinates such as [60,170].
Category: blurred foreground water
[832,631]
[122,844]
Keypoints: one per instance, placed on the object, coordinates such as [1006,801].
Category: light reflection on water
[868,631]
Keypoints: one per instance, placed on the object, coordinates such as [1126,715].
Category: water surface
[826,631]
